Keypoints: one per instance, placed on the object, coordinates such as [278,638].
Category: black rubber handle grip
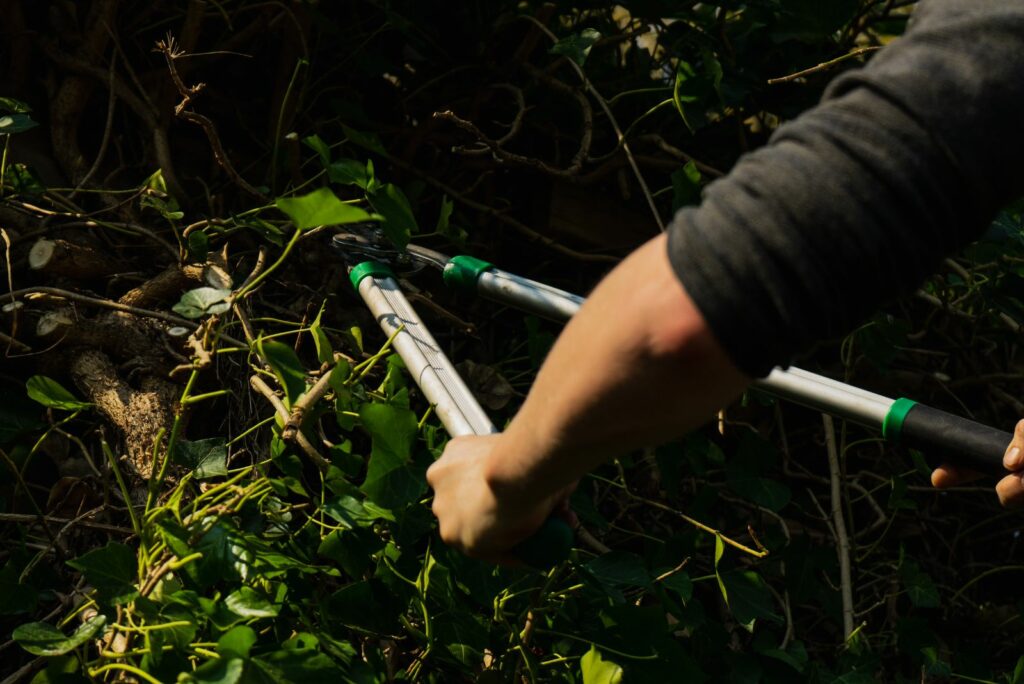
[957,440]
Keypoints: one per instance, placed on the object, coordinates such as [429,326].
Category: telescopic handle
[958,440]
[453,401]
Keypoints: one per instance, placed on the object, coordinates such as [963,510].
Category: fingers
[1011,491]
[1014,458]
[949,475]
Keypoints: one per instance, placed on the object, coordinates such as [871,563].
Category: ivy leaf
[237,642]
[9,104]
[52,394]
[351,172]
[749,598]
[320,208]
[204,457]
[216,671]
[687,90]
[685,186]
[249,603]
[368,141]
[42,639]
[203,301]
[444,226]
[620,568]
[719,552]
[577,46]
[761,490]
[112,570]
[16,123]
[390,482]
[1018,672]
[285,364]
[597,670]
[399,222]
[322,149]
[921,590]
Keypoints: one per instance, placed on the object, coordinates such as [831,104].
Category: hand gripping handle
[454,403]
[958,440]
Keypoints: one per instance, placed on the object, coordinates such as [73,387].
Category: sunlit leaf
[320,208]
[597,670]
[285,364]
[52,394]
[203,301]
[204,457]
[42,639]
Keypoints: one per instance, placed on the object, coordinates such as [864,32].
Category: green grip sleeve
[550,545]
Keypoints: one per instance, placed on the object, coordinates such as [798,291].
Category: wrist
[515,467]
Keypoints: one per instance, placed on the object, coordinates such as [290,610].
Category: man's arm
[636,366]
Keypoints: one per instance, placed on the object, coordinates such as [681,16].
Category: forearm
[636,366]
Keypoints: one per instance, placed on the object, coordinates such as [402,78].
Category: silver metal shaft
[793,384]
[454,403]
[529,295]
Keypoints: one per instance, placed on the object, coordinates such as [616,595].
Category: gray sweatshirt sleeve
[856,201]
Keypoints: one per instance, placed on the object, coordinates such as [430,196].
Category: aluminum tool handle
[958,440]
[454,403]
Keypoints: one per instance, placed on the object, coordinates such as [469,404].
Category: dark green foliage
[243,559]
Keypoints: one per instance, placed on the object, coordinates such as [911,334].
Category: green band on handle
[462,272]
[550,545]
[369,268]
[892,426]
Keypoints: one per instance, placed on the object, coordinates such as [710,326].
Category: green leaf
[399,222]
[316,143]
[680,583]
[320,208]
[324,351]
[921,590]
[719,552]
[761,490]
[1018,672]
[368,141]
[577,46]
[935,666]
[9,104]
[16,123]
[204,457]
[687,90]
[41,639]
[685,186]
[198,245]
[24,180]
[597,670]
[351,172]
[444,226]
[237,642]
[52,394]
[250,603]
[390,482]
[285,364]
[749,598]
[620,568]
[216,671]
[112,570]
[203,301]
[156,196]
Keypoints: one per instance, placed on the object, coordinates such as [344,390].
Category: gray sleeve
[856,201]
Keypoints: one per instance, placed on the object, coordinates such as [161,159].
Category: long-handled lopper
[901,421]
[453,402]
